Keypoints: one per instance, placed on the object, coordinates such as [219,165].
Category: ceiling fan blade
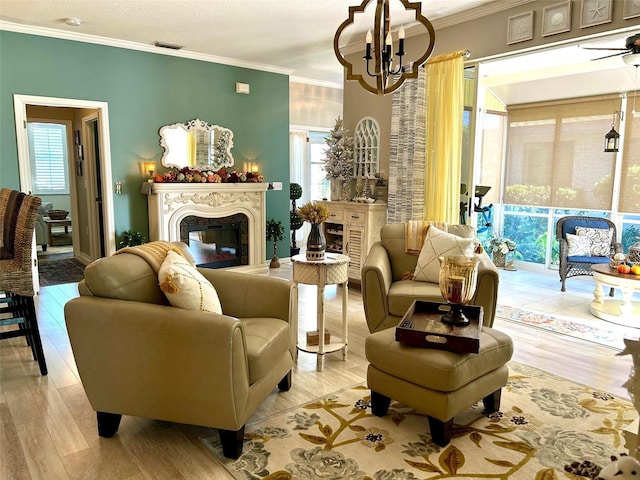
[608,56]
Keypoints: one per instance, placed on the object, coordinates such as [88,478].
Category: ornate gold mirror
[196,144]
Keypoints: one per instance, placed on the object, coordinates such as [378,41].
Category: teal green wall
[145,91]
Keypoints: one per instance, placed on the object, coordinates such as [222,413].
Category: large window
[555,166]
[319,183]
[49,157]
[555,154]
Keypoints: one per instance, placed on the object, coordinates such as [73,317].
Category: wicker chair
[18,214]
[581,265]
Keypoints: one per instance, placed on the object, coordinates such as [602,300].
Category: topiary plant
[274,232]
[295,191]
[295,222]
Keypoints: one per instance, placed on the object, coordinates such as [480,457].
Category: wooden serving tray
[421,327]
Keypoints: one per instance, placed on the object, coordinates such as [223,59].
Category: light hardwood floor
[48,430]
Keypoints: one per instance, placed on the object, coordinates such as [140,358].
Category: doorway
[91,204]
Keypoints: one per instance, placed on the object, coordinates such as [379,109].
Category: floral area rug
[596,330]
[545,423]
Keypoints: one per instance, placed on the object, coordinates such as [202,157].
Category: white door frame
[92,210]
[20,106]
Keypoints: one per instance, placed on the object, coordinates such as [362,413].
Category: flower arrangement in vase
[501,248]
[315,213]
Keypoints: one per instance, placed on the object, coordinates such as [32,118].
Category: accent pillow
[436,244]
[185,287]
[600,240]
[579,245]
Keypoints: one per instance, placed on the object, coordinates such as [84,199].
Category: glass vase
[457,279]
[316,243]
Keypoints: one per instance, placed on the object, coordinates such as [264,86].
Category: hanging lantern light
[612,138]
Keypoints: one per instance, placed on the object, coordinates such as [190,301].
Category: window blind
[630,184]
[49,157]
[555,154]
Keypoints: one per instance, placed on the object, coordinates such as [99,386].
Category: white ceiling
[296,37]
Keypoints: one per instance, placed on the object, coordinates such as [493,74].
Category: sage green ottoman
[438,383]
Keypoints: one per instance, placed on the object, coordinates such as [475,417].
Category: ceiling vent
[168,45]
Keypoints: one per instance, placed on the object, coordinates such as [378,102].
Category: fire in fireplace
[217,242]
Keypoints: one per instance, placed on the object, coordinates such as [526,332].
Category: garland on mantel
[192,175]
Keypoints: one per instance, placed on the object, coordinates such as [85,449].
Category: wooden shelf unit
[351,229]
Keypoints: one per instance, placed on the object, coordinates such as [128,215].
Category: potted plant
[275,232]
[295,222]
[131,238]
[502,250]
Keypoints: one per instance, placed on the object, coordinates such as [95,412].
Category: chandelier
[387,69]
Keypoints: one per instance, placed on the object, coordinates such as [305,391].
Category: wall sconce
[383,55]
[251,167]
[612,138]
[150,168]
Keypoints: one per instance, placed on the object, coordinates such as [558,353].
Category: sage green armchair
[138,355]
[387,295]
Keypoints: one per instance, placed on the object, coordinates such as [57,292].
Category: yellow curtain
[445,105]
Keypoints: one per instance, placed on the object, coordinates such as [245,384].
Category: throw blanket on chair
[415,232]
[155,252]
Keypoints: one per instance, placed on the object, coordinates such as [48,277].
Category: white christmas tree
[338,160]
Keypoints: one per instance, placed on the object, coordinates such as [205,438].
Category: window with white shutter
[49,154]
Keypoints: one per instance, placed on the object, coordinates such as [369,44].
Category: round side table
[623,312]
[333,270]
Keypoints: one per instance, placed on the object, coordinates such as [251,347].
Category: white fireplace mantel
[169,203]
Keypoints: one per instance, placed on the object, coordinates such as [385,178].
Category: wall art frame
[556,18]
[631,9]
[595,12]
[520,28]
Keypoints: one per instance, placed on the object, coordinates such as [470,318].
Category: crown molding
[141,47]
[317,83]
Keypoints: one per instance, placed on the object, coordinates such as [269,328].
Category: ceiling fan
[630,54]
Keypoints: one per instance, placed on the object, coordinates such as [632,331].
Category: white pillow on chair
[438,243]
[185,287]
[579,246]
[600,239]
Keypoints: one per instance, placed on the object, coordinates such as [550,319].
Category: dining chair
[18,214]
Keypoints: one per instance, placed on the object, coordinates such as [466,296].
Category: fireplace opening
[217,242]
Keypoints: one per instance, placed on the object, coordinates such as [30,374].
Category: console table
[333,270]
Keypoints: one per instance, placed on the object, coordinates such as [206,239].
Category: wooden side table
[66,223]
[333,270]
